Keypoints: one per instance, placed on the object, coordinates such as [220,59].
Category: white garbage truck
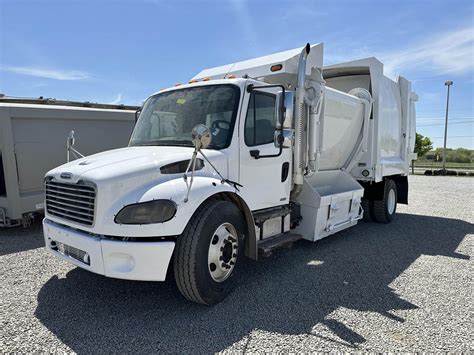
[245,158]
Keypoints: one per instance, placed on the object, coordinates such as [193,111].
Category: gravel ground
[406,286]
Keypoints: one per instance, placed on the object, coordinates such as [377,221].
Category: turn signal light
[276,67]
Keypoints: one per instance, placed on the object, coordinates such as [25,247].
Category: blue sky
[122,51]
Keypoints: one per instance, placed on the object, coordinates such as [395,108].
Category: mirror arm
[256,153]
[137,114]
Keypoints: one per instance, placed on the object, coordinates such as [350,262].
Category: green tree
[422,146]
[461,155]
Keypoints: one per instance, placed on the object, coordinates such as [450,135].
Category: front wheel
[384,210]
[209,253]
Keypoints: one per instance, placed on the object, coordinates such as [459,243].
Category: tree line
[425,151]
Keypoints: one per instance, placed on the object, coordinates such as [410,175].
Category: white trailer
[243,159]
[33,136]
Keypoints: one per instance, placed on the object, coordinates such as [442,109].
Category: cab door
[265,180]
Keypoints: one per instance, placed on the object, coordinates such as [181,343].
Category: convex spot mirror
[70,139]
[201,136]
[283,138]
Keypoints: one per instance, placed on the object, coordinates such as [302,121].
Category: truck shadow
[18,239]
[289,293]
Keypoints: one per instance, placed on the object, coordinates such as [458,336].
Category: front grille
[73,202]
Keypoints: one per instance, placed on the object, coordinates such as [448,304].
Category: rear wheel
[209,253]
[384,210]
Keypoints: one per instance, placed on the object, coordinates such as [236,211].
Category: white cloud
[450,52]
[49,73]
[117,100]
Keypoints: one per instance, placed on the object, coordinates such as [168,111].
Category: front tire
[209,253]
[384,210]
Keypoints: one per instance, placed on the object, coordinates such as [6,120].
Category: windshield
[168,118]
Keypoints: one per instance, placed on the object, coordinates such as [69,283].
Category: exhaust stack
[299,161]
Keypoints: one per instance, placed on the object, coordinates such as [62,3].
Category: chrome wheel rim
[391,201]
[223,250]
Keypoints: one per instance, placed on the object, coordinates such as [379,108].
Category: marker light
[276,67]
[192,81]
[231,76]
[177,84]
[206,79]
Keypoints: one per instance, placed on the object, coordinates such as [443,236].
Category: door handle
[285,169]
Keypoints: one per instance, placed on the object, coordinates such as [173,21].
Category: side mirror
[285,120]
[201,136]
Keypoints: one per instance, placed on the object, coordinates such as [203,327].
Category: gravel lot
[406,286]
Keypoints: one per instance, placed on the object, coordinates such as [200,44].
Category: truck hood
[131,163]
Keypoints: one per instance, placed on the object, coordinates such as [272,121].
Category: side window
[260,123]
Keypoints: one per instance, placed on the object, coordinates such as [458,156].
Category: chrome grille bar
[52,196]
[60,203]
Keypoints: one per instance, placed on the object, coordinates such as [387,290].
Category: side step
[266,246]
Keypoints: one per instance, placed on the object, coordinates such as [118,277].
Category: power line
[442,118]
[440,121]
[441,110]
[442,124]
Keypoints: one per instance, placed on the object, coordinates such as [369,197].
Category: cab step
[266,246]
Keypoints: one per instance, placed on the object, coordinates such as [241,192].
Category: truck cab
[231,165]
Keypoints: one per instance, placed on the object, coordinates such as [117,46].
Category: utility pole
[448,84]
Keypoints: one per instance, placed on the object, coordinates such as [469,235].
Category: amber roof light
[276,67]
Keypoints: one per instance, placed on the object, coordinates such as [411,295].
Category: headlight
[156,211]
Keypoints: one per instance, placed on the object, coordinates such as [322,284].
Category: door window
[260,123]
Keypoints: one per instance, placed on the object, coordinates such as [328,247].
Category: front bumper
[145,261]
